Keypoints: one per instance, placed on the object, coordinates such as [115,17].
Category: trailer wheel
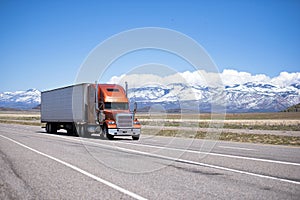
[107,135]
[70,131]
[47,128]
[52,128]
[135,137]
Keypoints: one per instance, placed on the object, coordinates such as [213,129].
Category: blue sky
[43,43]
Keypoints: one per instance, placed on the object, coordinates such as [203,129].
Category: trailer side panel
[64,104]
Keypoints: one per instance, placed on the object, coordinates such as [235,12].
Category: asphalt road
[37,165]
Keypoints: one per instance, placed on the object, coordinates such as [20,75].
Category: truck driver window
[116,106]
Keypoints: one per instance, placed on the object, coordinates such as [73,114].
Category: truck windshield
[116,106]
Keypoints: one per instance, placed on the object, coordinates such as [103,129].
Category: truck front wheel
[107,135]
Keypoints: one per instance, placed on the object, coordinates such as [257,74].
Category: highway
[37,165]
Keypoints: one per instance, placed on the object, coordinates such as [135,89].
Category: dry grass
[286,125]
[262,121]
[20,117]
[234,137]
[227,116]
[19,114]
[23,122]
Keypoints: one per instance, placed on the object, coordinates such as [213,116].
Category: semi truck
[87,108]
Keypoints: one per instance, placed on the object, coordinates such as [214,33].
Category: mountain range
[248,97]
[175,97]
[20,99]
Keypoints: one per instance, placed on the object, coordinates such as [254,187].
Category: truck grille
[124,120]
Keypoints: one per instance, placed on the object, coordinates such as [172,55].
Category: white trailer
[89,108]
[66,108]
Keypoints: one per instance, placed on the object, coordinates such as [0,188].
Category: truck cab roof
[112,93]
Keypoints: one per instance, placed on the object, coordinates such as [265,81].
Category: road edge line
[114,186]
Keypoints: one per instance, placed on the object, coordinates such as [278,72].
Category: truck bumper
[124,131]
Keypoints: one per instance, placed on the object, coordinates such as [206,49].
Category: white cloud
[231,77]
[285,79]
[202,78]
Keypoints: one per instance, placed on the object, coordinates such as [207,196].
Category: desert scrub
[227,116]
[33,123]
[285,125]
[261,138]
[234,137]
[21,117]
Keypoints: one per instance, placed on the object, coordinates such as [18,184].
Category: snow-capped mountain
[248,97]
[20,99]
[202,90]
[259,94]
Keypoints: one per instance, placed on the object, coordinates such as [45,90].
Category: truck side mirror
[135,107]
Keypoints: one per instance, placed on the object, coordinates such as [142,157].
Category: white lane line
[192,151]
[238,148]
[215,154]
[199,152]
[185,161]
[193,162]
[116,187]
[188,161]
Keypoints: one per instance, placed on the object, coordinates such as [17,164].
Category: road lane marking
[194,162]
[215,154]
[199,152]
[206,153]
[96,178]
[190,151]
[239,148]
[186,161]
[189,161]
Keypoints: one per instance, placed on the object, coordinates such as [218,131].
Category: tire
[107,135]
[52,128]
[70,131]
[47,128]
[75,130]
[135,137]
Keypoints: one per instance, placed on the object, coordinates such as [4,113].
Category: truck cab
[113,113]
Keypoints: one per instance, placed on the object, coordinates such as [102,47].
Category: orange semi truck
[88,108]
